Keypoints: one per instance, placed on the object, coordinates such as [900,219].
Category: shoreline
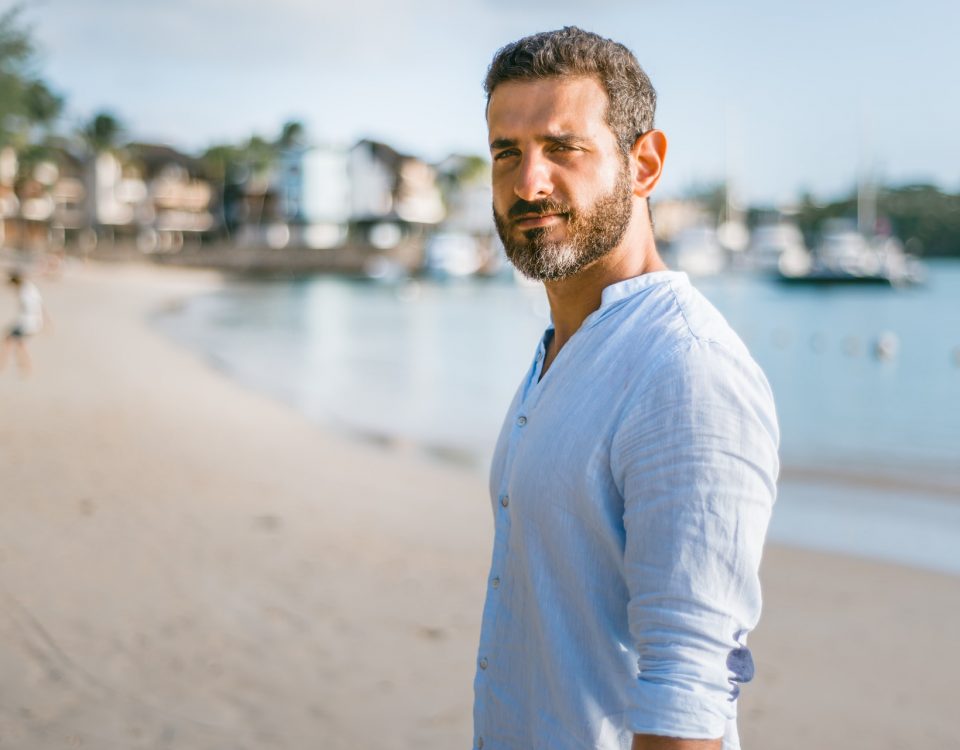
[188,563]
[907,481]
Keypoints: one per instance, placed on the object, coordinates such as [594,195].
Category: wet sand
[186,564]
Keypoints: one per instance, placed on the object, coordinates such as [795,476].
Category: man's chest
[553,461]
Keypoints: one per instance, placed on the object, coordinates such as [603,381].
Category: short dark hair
[571,51]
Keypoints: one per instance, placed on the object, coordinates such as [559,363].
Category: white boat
[846,256]
[777,246]
[697,251]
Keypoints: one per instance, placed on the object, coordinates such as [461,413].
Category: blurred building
[369,194]
[466,242]
[149,197]
[314,192]
[170,198]
[69,193]
[40,196]
[9,202]
[393,196]
[670,217]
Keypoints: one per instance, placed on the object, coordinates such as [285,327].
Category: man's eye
[500,155]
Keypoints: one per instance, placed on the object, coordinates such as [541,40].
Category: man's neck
[572,300]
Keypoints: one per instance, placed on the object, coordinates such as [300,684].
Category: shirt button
[479,743]
[521,421]
[483,663]
[495,583]
[505,501]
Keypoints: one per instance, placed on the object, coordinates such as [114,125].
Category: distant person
[29,321]
[635,472]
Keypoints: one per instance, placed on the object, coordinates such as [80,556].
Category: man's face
[562,190]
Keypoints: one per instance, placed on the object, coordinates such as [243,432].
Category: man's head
[570,116]
[574,53]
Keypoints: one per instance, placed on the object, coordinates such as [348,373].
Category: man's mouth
[532,221]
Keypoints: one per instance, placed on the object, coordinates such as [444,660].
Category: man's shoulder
[676,319]
[702,321]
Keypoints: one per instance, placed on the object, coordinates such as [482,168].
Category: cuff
[670,711]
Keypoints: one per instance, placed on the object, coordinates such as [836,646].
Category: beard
[591,233]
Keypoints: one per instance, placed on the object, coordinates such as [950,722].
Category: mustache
[540,208]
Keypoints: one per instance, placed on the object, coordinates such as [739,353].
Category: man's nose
[533,178]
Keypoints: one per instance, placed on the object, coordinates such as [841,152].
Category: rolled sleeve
[695,458]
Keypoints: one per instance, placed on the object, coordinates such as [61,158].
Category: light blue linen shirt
[632,487]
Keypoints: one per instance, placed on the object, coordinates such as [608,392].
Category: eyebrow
[498,143]
[560,139]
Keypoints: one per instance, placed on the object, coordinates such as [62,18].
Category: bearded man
[634,475]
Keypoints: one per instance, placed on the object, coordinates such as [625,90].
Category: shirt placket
[486,658]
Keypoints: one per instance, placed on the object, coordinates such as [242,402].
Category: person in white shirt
[29,321]
[635,473]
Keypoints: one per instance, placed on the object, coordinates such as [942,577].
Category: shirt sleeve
[695,458]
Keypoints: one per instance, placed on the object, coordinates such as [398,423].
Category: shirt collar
[628,287]
[621,291]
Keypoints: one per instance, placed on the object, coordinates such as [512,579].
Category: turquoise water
[842,406]
[436,364]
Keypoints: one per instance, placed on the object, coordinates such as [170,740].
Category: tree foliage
[26,101]
[235,162]
[292,134]
[924,217]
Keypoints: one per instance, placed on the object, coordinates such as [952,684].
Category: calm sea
[867,381]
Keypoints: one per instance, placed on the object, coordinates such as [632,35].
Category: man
[634,476]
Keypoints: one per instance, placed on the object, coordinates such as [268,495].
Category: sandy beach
[186,564]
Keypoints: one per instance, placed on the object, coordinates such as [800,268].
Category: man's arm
[655,742]
[696,461]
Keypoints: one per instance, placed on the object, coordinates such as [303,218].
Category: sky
[778,98]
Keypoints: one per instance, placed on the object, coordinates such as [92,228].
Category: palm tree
[102,132]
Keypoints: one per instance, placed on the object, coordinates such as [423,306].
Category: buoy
[886,346]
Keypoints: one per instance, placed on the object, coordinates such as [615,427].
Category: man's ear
[646,158]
